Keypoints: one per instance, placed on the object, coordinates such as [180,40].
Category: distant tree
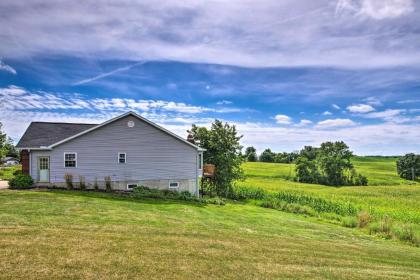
[267,156]
[307,171]
[334,159]
[309,152]
[251,154]
[330,164]
[223,150]
[408,166]
[7,148]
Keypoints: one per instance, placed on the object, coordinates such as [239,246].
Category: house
[129,148]
[9,161]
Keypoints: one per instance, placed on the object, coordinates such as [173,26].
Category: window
[173,185]
[131,186]
[200,161]
[70,160]
[122,158]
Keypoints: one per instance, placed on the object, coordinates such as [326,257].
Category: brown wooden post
[24,159]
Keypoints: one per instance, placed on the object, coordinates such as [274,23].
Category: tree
[267,156]
[334,159]
[408,166]
[223,150]
[251,154]
[330,164]
[7,148]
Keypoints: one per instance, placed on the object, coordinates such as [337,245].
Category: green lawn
[398,198]
[86,235]
[6,173]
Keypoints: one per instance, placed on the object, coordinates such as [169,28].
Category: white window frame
[75,159]
[125,158]
[177,185]
[130,189]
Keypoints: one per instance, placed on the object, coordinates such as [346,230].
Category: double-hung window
[70,160]
[122,157]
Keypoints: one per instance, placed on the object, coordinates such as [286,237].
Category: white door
[44,169]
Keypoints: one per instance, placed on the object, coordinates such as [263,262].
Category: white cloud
[187,31]
[334,123]
[7,68]
[327,113]
[336,106]
[360,108]
[408,101]
[283,119]
[375,9]
[304,123]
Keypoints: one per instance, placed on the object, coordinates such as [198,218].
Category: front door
[44,169]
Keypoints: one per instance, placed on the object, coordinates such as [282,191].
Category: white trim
[125,158]
[120,117]
[38,149]
[177,185]
[200,161]
[131,188]
[64,157]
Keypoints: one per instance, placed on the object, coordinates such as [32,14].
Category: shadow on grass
[122,197]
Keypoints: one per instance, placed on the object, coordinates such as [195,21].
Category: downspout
[30,162]
[196,175]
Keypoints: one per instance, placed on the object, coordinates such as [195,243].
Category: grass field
[85,235]
[88,235]
[397,198]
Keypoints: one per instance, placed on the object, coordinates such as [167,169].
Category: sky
[287,73]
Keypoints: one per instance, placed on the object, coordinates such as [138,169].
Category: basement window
[122,157]
[173,185]
[131,186]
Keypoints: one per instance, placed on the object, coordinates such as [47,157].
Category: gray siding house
[129,148]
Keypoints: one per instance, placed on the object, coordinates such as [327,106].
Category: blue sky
[286,73]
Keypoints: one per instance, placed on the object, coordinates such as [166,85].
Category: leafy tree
[309,152]
[223,150]
[306,170]
[251,154]
[334,159]
[408,166]
[6,145]
[267,156]
[330,164]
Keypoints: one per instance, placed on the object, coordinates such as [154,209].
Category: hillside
[85,235]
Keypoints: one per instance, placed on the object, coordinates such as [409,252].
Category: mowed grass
[86,235]
[397,198]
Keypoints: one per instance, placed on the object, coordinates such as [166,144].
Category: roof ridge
[65,123]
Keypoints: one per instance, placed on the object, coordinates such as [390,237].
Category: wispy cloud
[7,68]
[107,74]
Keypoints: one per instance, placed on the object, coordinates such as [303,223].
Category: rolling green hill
[86,235]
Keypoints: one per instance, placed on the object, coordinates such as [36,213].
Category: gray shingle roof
[47,133]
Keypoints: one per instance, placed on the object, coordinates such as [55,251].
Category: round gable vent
[130,124]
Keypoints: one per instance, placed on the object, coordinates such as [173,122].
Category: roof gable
[49,142]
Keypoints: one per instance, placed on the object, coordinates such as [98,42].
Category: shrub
[363,219]
[406,233]
[17,172]
[383,227]
[145,192]
[95,184]
[82,182]
[108,186]
[350,222]
[69,181]
[21,181]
